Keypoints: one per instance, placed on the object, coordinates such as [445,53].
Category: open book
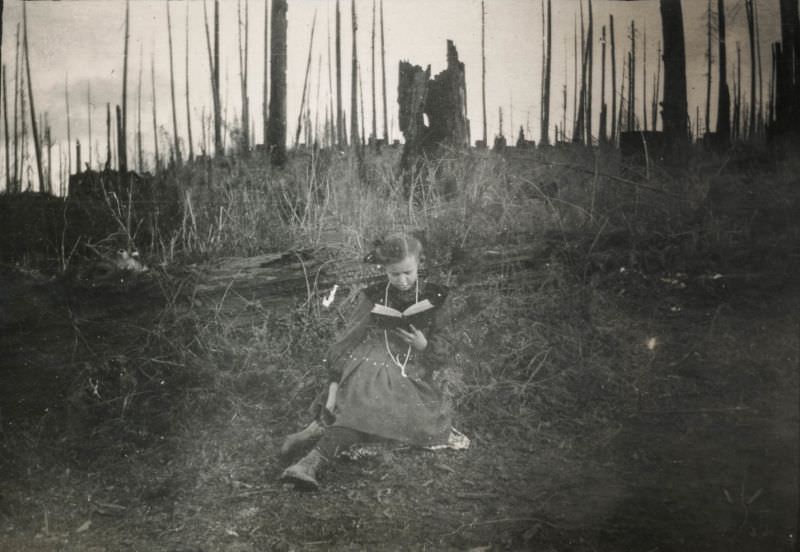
[418,314]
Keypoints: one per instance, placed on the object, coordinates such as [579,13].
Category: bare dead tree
[157,159]
[372,52]
[709,56]
[108,137]
[175,138]
[331,125]
[305,81]
[265,93]
[644,79]
[589,73]
[632,81]
[17,73]
[545,126]
[751,33]
[483,69]
[122,131]
[383,73]
[276,143]
[737,95]
[656,89]
[34,129]
[724,100]
[361,102]
[219,148]
[339,115]
[69,126]
[613,80]
[674,114]
[215,92]
[9,183]
[188,105]
[354,138]
[602,131]
[244,145]
[139,148]
[760,80]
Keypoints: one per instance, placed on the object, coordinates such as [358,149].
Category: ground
[699,451]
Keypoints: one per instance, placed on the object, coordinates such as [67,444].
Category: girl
[381,379]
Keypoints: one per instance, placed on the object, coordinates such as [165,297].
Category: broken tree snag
[442,99]
[412,91]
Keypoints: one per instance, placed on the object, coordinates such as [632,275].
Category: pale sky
[80,42]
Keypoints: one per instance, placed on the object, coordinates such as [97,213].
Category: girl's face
[403,274]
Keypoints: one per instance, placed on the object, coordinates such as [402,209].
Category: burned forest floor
[616,398]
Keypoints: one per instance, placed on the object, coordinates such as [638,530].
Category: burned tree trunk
[674,114]
[175,139]
[787,80]
[724,101]
[122,132]
[602,137]
[441,99]
[340,129]
[753,64]
[276,139]
[613,81]
[36,145]
[544,139]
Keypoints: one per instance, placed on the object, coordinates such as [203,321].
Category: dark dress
[374,397]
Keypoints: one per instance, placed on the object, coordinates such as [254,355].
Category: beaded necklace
[396,358]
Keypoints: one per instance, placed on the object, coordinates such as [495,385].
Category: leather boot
[304,439]
[304,472]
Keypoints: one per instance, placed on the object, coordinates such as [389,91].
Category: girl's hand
[415,338]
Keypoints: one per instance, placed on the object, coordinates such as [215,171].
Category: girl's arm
[438,351]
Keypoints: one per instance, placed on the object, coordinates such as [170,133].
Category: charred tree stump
[674,107]
[442,99]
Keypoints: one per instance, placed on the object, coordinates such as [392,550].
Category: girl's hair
[394,248]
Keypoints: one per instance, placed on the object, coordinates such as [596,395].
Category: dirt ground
[701,454]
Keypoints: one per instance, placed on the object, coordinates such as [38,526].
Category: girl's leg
[335,440]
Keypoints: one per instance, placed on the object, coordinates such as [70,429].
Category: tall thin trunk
[602,136]
[575,57]
[330,108]
[265,93]
[339,116]
[49,144]
[175,138]
[622,112]
[122,131]
[709,56]
[748,4]
[188,106]
[156,158]
[580,114]
[589,74]
[9,184]
[724,107]
[276,144]
[674,113]
[656,89]
[305,81]
[219,149]
[760,79]
[17,73]
[374,110]
[23,114]
[361,102]
[737,110]
[89,110]
[244,145]
[139,152]
[771,88]
[545,130]
[108,136]
[632,81]
[214,74]
[69,126]
[354,138]
[613,80]
[644,80]
[383,73]
[316,102]
[34,129]
[483,70]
